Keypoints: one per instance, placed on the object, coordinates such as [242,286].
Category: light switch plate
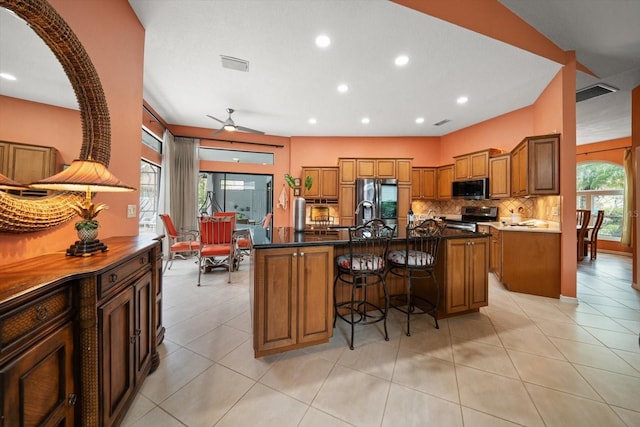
[554,211]
[131,211]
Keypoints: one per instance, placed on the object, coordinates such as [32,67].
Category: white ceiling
[291,80]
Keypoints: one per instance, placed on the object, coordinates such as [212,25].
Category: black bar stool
[365,265]
[417,261]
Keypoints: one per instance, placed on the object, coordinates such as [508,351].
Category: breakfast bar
[292,275]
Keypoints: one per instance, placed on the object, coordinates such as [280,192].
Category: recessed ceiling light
[420,120]
[402,60]
[462,100]
[343,88]
[323,41]
[312,121]
[365,120]
[8,76]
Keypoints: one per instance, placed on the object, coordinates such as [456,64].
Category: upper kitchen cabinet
[473,165]
[500,176]
[375,168]
[403,171]
[347,171]
[535,168]
[324,183]
[445,177]
[423,183]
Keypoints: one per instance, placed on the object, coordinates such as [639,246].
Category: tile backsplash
[542,207]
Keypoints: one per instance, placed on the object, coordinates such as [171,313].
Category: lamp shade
[83,175]
[9,184]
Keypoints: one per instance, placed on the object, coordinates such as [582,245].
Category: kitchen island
[292,272]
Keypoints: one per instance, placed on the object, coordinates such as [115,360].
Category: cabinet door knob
[295,254]
[41,312]
[113,277]
[72,399]
[301,253]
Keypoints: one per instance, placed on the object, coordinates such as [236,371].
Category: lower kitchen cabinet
[495,258]
[292,298]
[462,272]
[38,386]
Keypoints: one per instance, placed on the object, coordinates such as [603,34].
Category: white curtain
[183,190]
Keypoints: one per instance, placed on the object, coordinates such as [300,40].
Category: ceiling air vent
[592,91]
[234,63]
[442,122]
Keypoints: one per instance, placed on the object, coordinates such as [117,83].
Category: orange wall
[41,124]
[118,58]
[503,132]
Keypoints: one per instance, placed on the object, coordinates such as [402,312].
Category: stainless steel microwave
[475,189]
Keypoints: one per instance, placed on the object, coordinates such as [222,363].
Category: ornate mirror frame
[19,214]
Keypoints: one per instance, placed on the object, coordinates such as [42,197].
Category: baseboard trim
[570,300]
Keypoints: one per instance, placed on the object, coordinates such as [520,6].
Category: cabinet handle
[41,312]
[73,398]
[301,253]
[295,254]
[133,338]
[141,260]
[113,277]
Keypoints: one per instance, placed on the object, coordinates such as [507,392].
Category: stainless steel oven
[471,216]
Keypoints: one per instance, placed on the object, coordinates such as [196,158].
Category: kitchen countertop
[282,237]
[553,227]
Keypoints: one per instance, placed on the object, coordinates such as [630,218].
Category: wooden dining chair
[591,238]
[583,216]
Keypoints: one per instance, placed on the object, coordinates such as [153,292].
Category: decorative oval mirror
[19,214]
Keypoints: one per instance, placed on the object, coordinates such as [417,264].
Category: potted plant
[299,204]
[87,228]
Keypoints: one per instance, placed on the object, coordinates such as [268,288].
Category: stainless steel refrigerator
[377,198]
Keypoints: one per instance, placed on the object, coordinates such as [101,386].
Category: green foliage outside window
[600,186]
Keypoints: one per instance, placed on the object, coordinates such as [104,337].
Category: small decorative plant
[308,182]
[87,210]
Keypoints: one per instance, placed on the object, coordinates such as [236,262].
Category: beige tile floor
[523,360]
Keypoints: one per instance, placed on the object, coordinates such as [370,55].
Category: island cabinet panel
[38,387]
[462,271]
[495,256]
[293,298]
[531,262]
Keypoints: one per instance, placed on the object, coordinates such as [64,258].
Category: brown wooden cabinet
[38,386]
[292,298]
[403,171]
[423,183]
[83,334]
[495,253]
[473,165]
[535,166]
[26,163]
[500,176]
[462,270]
[445,177]
[375,168]
[347,171]
[324,183]
[404,201]
[347,204]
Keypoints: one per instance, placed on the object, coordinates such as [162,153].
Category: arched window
[600,186]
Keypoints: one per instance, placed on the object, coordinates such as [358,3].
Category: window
[149,195]
[600,186]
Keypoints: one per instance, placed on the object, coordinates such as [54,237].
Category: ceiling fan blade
[217,120]
[244,129]
[218,131]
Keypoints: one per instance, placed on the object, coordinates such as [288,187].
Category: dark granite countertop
[282,237]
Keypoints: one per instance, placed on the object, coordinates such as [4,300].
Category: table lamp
[85,176]
[9,184]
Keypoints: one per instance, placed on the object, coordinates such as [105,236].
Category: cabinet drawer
[29,319]
[119,274]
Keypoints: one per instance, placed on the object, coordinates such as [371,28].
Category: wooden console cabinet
[292,298]
[79,335]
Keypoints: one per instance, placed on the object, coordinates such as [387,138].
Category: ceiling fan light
[229,128]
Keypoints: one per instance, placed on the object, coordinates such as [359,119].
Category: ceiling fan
[230,126]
